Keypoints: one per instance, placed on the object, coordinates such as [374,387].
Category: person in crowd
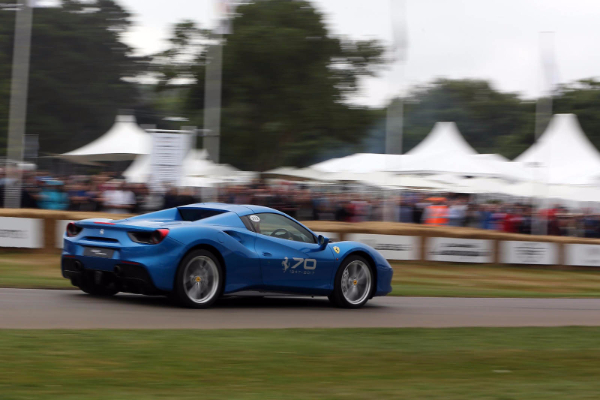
[118,198]
[78,196]
[170,199]
[407,210]
[29,192]
[436,214]
[102,192]
[420,206]
[457,213]
[473,216]
[53,196]
[591,225]
[185,196]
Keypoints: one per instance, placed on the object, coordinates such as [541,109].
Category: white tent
[443,151]
[506,169]
[563,154]
[444,163]
[296,173]
[444,138]
[358,163]
[125,140]
[196,168]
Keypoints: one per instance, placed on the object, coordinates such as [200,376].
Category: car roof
[240,209]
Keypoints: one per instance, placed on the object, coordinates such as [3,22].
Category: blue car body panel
[252,261]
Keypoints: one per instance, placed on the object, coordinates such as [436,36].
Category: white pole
[395,111]
[212,100]
[18,102]
[543,113]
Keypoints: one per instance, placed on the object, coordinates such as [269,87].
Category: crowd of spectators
[109,193]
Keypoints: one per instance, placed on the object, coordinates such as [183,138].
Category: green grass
[508,363]
[31,270]
[469,280]
[36,270]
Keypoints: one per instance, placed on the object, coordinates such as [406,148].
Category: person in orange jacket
[436,214]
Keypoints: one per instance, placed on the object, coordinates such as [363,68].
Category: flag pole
[543,113]
[395,110]
[18,103]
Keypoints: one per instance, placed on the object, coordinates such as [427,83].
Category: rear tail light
[73,230]
[154,237]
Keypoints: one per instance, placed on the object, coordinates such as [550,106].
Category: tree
[583,99]
[491,121]
[77,74]
[286,83]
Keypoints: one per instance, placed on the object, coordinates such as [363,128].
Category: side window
[278,226]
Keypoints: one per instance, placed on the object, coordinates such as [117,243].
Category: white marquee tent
[563,154]
[125,140]
[444,138]
[443,151]
[197,170]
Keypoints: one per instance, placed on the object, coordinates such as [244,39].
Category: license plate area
[99,252]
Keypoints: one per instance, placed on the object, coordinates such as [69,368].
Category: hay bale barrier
[35,230]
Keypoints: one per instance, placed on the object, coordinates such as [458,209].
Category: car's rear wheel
[353,283]
[199,280]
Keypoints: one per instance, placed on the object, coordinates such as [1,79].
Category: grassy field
[511,363]
[469,280]
[410,279]
[31,270]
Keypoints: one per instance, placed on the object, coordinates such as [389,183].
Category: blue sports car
[200,252]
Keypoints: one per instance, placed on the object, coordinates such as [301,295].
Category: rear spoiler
[111,224]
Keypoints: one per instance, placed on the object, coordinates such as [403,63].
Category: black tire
[88,286]
[180,294]
[337,296]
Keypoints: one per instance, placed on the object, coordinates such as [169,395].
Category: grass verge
[32,270]
[36,270]
[471,280]
[507,363]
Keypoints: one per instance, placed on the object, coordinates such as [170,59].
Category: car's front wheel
[199,280]
[353,283]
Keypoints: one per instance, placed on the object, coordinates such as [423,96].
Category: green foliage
[6,49]
[285,86]
[582,98]
[491,121]
[77,68]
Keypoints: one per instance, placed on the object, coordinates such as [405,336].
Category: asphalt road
[71,309]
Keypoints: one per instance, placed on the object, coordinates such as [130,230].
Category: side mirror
[322,241]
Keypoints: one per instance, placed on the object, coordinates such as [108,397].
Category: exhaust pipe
[117,270]
[78,266]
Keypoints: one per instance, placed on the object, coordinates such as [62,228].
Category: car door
[290,257]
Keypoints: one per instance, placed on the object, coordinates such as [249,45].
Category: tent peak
[443,138]
[126,119]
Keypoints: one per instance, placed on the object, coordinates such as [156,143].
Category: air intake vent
[101,239]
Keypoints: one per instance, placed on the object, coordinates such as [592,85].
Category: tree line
[287,82]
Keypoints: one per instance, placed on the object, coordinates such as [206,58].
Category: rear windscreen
[195,214]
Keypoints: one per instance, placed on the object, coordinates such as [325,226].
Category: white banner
[168,152]
[585,255]
[459,250]
[532,253]
[21,232]
[391,247]
[59,231]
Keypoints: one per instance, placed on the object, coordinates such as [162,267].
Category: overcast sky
[494,40]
